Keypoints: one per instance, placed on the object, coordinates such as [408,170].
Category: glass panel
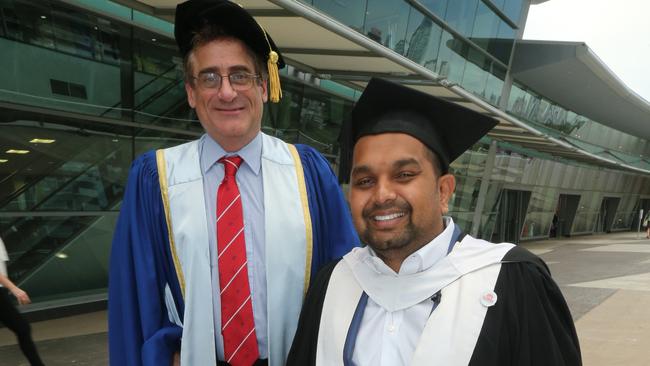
[423,40]
[80,169]
[498,3]
[349,12]
[579,130]
[460,16]
[77,268]
[494,86]
[438,7]
[490,210]
[386,23]
[501,46]
[452,57]
[320,121]
[475,76]
[512,8]
[466,194]
[485,26]
[308,115]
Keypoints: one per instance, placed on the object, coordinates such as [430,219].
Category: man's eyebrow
[365,169]
[231,69]
[404,162]
[361,169]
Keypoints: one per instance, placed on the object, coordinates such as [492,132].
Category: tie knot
[231,164]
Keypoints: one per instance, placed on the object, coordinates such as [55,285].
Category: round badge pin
[489,299]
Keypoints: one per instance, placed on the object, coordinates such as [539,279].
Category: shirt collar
[424,258]
[211,152]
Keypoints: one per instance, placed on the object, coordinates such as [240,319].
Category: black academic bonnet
[446,128]
[193,15]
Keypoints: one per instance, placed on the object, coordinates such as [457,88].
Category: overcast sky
[618,32]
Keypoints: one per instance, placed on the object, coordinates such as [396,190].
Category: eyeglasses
[240,81]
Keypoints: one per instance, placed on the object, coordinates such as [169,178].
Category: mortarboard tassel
[274,77]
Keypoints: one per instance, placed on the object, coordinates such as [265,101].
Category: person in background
[10,316]
[217,238]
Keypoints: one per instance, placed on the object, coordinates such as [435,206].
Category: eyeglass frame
[250,77]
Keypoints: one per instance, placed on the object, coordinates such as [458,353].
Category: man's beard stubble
[401,240]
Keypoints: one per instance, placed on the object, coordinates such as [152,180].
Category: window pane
[423,40]
[438,7]
[512,8]
[452,57]
[501,46]
[386,23]
[460,15]
[348,12]
[475,76]
[485,26]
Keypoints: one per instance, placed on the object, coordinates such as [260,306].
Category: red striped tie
[237,323]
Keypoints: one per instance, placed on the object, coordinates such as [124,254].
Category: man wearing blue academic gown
[163,300]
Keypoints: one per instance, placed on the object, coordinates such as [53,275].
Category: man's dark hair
[438,169]
[210,33]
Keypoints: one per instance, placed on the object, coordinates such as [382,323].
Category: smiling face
[397,199]
[232,118]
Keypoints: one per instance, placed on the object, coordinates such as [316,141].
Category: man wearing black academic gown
[421,292]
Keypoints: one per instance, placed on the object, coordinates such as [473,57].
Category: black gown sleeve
[303,348]
[530,325]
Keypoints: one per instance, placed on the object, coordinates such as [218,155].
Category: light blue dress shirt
[249,180]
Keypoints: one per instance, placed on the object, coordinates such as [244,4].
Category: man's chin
[383,242]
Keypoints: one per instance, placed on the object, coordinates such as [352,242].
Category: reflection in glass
[423,40]
[452,57]
[460,16]
[486,25]
[386,23]
[512,8]
[348,12]
[438,7]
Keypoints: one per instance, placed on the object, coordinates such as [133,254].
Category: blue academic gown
[159,281]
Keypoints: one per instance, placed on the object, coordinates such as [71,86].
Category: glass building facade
[86,86]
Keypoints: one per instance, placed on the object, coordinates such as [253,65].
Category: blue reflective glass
[501,46]
[486,26]
[475,74]
[438,7]
[512,8]
[452,57]
[498,3]
[423,40]
[386,23]
[460,15]
[494,86]
[348,12]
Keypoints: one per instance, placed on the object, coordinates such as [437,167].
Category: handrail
[157,77]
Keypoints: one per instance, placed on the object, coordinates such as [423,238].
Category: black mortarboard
[447,129]
[193,15]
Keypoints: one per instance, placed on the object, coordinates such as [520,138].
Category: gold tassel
[275,91]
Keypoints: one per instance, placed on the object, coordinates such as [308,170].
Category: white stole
[451,332]
[285,239]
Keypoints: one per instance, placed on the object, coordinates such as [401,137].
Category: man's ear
[190,94]
[265,90]
[446,188]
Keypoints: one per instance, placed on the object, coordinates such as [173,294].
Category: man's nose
[384,192]
[226,91]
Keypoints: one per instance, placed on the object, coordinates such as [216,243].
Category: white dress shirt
[388,338]
[249,181]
